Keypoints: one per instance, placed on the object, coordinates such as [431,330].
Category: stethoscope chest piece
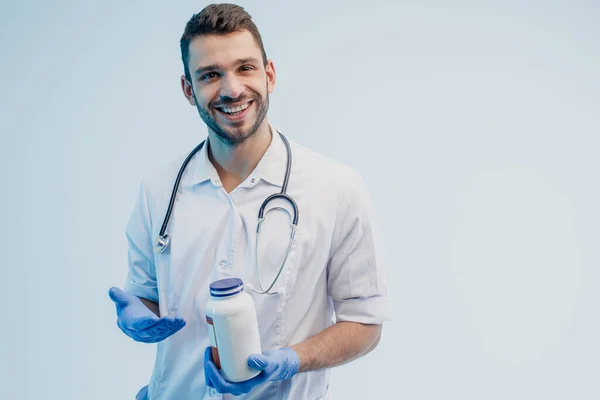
[162,241]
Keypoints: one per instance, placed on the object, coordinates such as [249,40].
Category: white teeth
[229,110]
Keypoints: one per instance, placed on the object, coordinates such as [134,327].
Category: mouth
[235,113]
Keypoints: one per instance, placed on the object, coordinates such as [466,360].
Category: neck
[235,163]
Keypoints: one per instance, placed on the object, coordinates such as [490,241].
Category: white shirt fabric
[336,269]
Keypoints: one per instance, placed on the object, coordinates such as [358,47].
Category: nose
[231,87]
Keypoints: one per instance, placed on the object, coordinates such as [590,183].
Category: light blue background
[474,124]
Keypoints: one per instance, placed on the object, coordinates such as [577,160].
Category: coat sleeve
[141,276]
[357,271]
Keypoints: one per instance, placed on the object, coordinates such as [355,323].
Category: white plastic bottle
[232,329]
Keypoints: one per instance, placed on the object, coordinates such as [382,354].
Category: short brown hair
[218,19]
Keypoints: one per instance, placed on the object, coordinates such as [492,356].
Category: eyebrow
[211,67]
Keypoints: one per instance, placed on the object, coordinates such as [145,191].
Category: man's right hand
[138,322]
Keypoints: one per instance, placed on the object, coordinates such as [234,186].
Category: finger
[257,380]
[158,335]
[121,326]
[207,358]
[208,382]
[132,334]
[174,322]
[223,386]
[217,380]
[143,323]
[258,361]
[208,354]
[127,329]
[169,325]
[177,324]
[120,297]
[160,332]
[153,333]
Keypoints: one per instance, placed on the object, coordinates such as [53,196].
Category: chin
[235,135]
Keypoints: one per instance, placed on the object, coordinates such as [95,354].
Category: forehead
[222,49]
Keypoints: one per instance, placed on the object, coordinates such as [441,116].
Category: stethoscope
[163,239]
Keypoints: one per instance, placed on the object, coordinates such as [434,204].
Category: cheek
[261,89]
[205,94]
[204,100]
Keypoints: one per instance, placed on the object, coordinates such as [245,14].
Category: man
[334,269]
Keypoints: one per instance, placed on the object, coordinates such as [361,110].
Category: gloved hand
[138,322]
[275,365]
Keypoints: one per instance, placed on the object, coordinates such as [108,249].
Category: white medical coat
[336,266]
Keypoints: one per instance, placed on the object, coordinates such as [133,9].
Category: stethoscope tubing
[162,242]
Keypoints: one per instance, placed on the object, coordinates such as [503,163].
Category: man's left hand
[275,365]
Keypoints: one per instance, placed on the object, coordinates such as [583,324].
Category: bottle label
[212,336]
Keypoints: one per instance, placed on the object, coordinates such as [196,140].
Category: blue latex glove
[138,322]
[275,365]
[142,394]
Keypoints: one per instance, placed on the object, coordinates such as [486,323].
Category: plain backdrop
[474,124]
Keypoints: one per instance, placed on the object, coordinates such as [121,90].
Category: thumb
[258,361]
[120,297]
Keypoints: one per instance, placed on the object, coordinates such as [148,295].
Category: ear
[271,76]
[188,90]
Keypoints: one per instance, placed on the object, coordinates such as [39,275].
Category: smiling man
[327,306]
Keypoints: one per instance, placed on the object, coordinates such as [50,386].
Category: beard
[233,135]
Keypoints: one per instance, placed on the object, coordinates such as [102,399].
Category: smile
[234,111]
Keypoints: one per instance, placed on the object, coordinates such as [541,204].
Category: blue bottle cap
[226,287]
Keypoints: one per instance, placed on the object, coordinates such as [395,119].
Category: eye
[208,76]
[246,68]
